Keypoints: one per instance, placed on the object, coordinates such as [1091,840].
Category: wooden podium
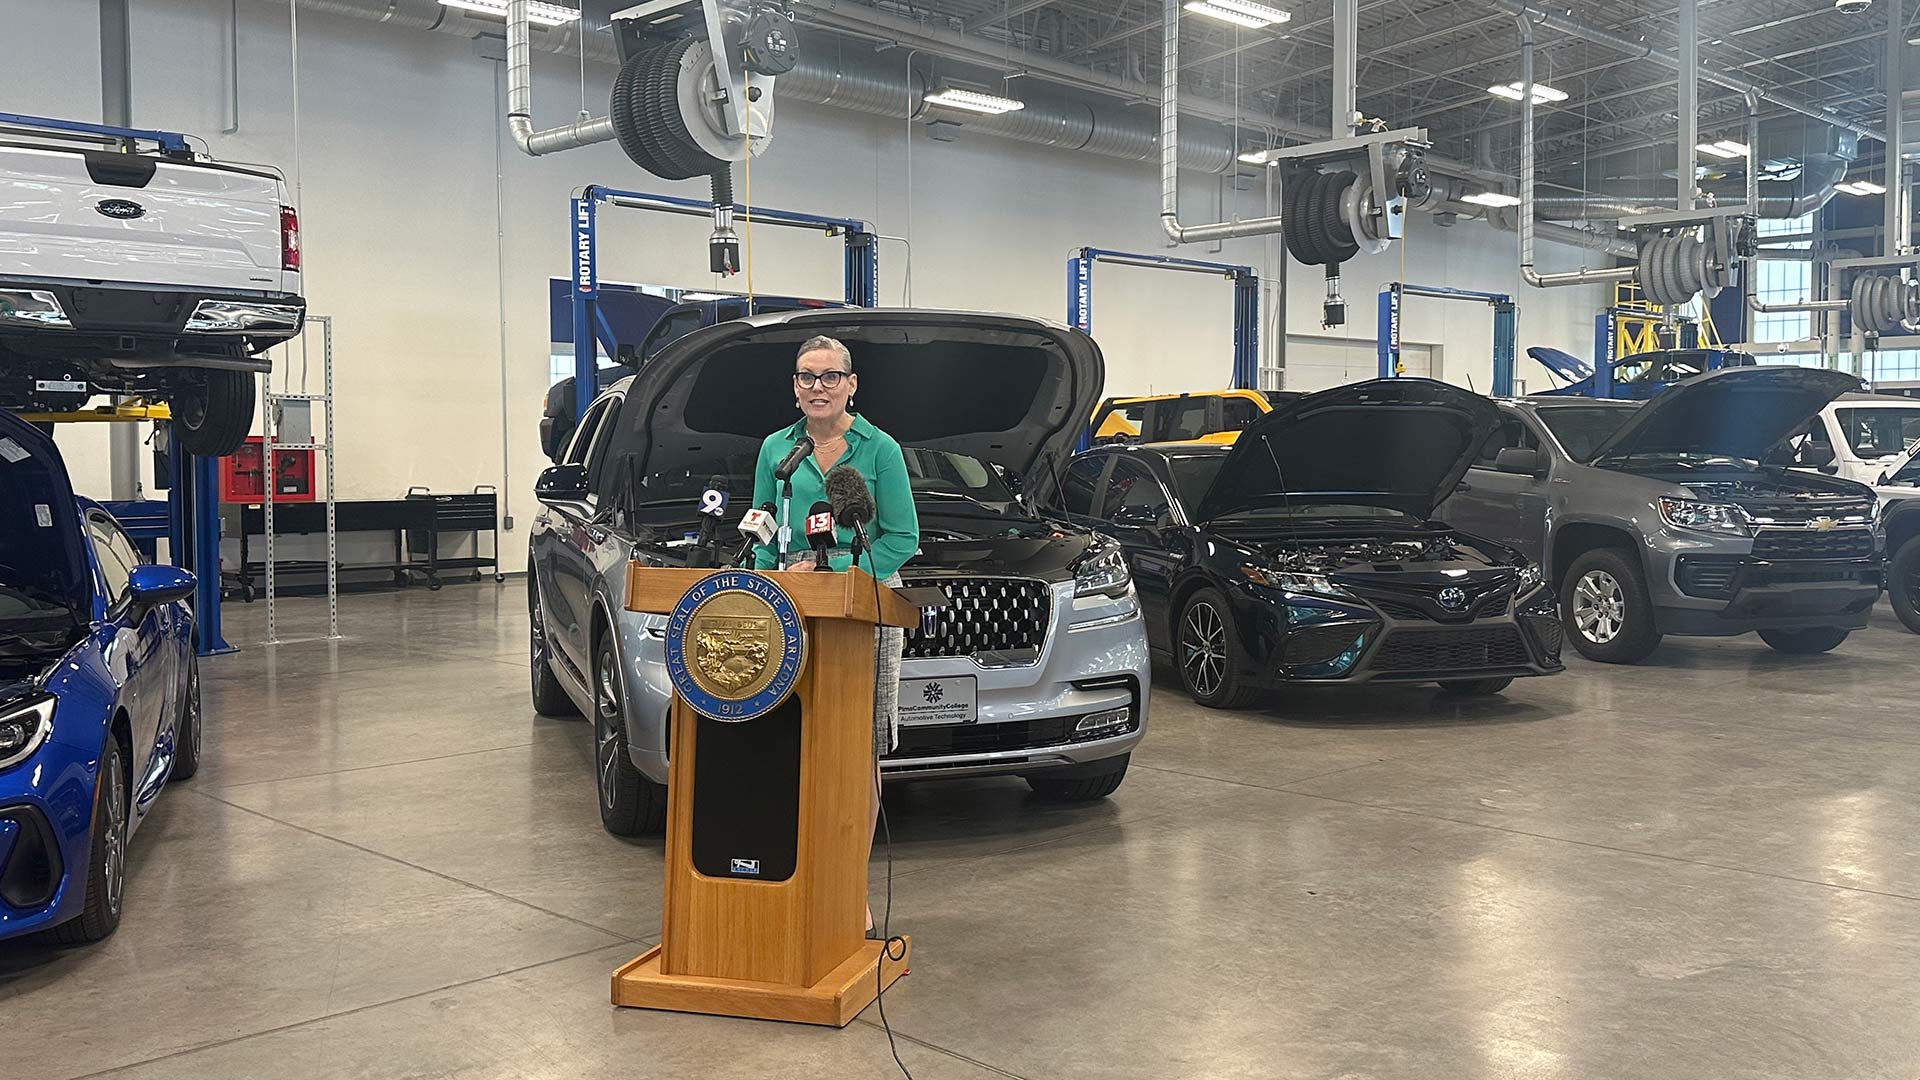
[791,789]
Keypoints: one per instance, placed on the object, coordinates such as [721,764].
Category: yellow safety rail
[127,411]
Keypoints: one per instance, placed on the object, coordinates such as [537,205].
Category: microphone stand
[786,520]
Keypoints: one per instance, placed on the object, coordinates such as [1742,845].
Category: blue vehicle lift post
[862,266]
[1392,313]
[1246,300]
[193,492]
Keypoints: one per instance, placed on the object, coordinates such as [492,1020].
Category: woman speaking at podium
[823,388]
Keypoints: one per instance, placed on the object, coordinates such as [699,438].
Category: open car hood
[1400,443]
[1010,390]
[1564,364]
[42,552]
[1734,412]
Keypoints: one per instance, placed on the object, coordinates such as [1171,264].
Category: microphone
[713,507]
[852,503]
[784,471]
[756,528]
[820,533]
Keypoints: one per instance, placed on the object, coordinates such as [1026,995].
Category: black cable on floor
[888,941]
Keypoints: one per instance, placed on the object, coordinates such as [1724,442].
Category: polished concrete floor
[1705,867]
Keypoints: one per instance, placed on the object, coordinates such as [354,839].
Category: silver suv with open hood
[1666,518]
[1038,667]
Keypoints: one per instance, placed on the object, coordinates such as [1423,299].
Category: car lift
[1392,299]
[589,325]
[1246,301]
[193,490]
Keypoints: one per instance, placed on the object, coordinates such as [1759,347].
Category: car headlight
[1529,579]
[1288,581]
[1704,516]
[23,727]
[1103,572]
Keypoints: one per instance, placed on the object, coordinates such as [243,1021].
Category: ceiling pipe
[1689,84]
[1525,229]
[520,97]
[1898,224]
[1170,149]
[1564,24]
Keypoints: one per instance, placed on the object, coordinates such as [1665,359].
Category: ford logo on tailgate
[121,209]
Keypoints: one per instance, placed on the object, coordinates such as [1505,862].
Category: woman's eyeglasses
[828,379]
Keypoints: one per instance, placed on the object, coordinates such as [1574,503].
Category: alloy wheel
[537,636]
[1599,607]
[1203,649]
[115,855]
[606,727]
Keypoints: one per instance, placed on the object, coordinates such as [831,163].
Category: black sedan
[1305,553]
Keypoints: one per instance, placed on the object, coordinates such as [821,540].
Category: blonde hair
[823,343]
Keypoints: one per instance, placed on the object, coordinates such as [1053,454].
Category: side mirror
[561,484]
[1816,455]
[1523,462]
[151,586]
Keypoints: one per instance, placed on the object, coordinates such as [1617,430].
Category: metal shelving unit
[269,427]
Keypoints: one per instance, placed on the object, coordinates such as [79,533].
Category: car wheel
[1476,687]
[1081,788]
[1207,653]
[630,804]
[549,697]
[186,731]
[1606,609]
[107,861]
[1805,642]
[212,420]
[1903,583]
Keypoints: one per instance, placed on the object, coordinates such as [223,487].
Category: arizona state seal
[735,646]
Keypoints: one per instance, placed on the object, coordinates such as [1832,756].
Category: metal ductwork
[1819,175]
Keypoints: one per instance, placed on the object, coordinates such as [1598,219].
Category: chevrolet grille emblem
[1822,524]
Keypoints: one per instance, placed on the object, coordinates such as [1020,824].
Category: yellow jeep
[1207,416]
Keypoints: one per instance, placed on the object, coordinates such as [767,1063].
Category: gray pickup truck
[1670,517]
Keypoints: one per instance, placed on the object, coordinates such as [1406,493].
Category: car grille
[1398,610]
[984,615]
[1452,650]
[922,740]
[1549,634]
[1318,644]
[1811,544]
[1490,606]
[1402,606]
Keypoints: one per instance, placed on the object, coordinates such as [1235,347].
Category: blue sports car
[99,695]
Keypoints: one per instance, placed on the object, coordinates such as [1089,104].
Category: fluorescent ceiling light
[1240,12]
[1490,198]
[1256,157]
[1861,187]
[1725,148]
[1542,93]
[537,13]
[954,97]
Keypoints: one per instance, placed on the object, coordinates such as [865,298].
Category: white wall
[398,137]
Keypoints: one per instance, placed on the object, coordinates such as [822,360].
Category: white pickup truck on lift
[134,270]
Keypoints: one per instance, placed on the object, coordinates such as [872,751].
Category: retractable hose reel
[1333,216]
[695,94]
[1884,304]
[1692,259]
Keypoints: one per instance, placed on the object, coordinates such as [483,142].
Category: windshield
[1193,475]
[945,473]
[1880,431]
[1580,429]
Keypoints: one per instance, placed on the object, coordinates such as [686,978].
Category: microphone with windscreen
[713,507]
[820,534]
[851,502]
[756,528]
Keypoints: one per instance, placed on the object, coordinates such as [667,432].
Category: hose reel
[1881,303]
[1331,217]
[695,94]
[1675,269]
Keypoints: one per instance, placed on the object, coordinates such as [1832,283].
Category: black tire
[213,419]
[1081,788]
[549,697]
[630,804]
[1809,641]
[1903,583]
[1622,630]
[1476,687]
[107,855]
[187,731]
[1207,653]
